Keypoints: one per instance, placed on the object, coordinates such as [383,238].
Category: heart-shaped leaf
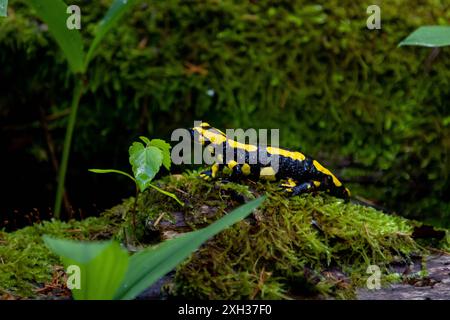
[165,148]
[146,162]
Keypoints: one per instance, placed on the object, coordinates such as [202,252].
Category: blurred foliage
[337,90]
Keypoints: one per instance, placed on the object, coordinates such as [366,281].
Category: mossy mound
[311,246]
[26,264]
[292,247]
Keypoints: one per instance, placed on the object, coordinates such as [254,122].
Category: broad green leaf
[169,194]
[428,36]
[112,171]
[165,148]
[115,12]
[3,8]
[146,162]
[149,265]
[54,14]
[103,266]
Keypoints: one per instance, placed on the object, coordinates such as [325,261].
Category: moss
[25,262]
[311,246]
[306,246]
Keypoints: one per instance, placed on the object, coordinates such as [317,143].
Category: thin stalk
[77,93]
[133,211]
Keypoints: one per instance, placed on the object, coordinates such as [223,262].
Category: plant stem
[133,212]
[77,93]
[52,153]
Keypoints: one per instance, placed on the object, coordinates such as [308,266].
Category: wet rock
[435,286]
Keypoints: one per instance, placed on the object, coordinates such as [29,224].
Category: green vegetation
[25,262]
[146,161]
[109,273]
[344,94]
[366,104]
[429,36]
[279,253]
[53,13]
[276,253]
[3,8]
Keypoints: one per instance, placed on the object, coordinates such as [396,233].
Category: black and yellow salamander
[297,172]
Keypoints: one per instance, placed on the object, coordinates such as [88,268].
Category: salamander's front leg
[235,171]
[210,173]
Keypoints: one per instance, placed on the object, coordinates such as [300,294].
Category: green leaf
[112,171]
[115,12]
[3,8]
[167,193]
[103,266]
[149,265]
[165,148]
[146,162]
[428,36]
[145,140]
[54,14]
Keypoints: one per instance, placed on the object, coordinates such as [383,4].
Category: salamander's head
[342,192]
[205,134]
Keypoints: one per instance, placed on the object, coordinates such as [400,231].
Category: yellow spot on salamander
[267,173]
[232,164]
[246,169]
[286,153]
[324,170]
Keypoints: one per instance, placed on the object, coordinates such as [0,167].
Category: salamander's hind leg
[295,189]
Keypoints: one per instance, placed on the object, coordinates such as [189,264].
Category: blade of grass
[54,14]
[115,12]
[428,36]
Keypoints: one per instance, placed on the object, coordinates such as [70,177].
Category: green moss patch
[293,247]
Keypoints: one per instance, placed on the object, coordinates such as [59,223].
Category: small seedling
[146,161]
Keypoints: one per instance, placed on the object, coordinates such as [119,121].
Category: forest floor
[306,247]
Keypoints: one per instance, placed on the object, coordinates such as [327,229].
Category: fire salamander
[297,172]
